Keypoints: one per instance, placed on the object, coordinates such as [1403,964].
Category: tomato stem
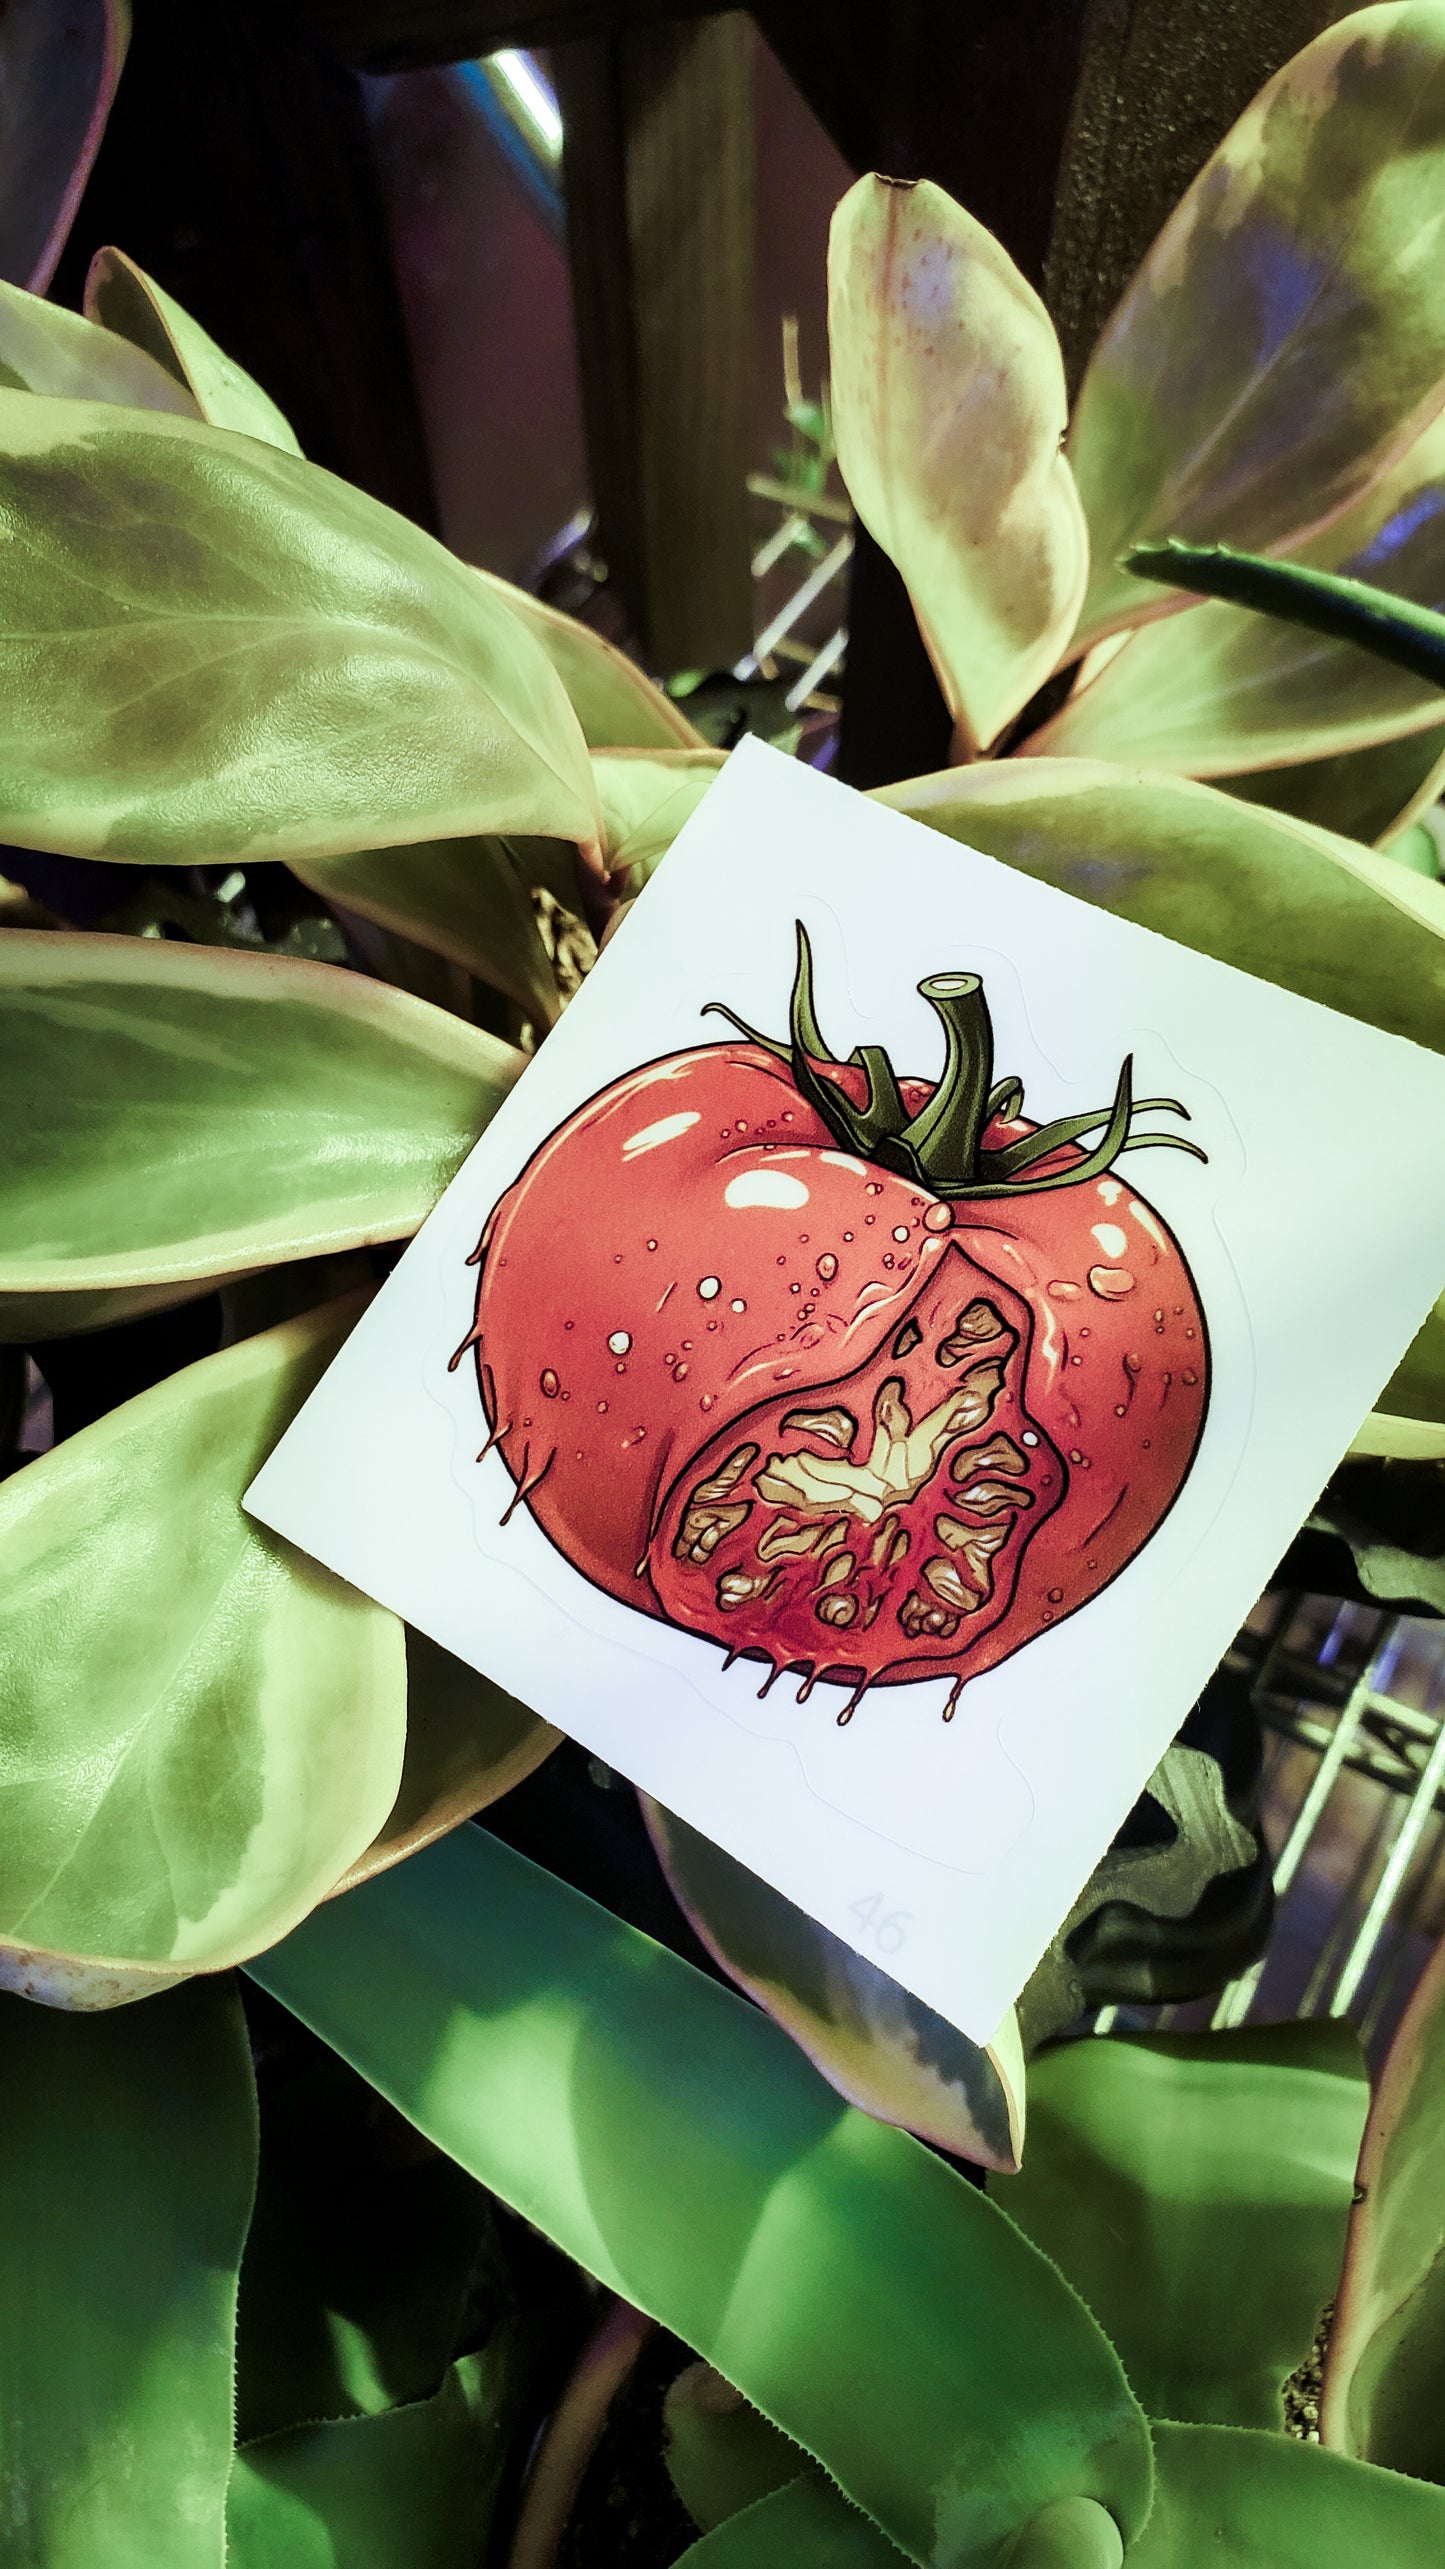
[943,1146]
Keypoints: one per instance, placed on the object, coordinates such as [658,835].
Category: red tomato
[868,1379]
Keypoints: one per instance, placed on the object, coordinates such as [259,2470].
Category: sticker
[870,1365]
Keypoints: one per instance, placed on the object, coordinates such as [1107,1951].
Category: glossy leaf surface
[1196,2192]
[46,349]
[804,2525]
[60,61]
[1221,688]
[646,797]
[1239,2499]
[179,1112]
[212,650]
[1385,2369]
[1283,342]
[120,296]
[127,2157]
[679,2146]
[202,1728]
[1291,904]
[949,410]
[413,2488]
[872,2040]
[464,898]
[1368,794]
[467,1743]
[615,702]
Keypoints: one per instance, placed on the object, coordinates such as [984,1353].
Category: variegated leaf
[129,303]
[177,1114]
[45,349]
[202,1729]
[210,649]
[646,795]
[949,409]
[1284,341]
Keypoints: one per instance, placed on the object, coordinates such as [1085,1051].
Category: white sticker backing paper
[868,1368]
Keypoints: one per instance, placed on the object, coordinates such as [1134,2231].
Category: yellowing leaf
[949,408]
[202,1729]
[128,302]
[210,649]
[464,898]
[1284,340]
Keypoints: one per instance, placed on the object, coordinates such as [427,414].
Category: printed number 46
[888,1926]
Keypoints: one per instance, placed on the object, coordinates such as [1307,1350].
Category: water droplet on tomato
[900,1231]
[1062,1290]
[1110,1283]
[550,1384]
[602,1409]
[795,1288]
[619,1342]
[682,1373]
[707,1401]
[847,1235]
[709,1287]
[742,1128]
[1056,1596]
[888,1259]
[617,1257]
[1074,1455]
[868,1220]
[652,1244]
[827,1266]
[737,1306]
[802,1239]
[781,1262]
[875,1188]
[1189,1378]
[569,1324]
[1119,1410]
[1029,1437]
[938,1218]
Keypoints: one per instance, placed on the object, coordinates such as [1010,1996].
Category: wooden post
[658,167]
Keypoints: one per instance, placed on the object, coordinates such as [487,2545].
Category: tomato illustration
[861,1376]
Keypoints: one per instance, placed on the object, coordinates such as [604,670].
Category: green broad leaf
[1233,2498]
[676,2144]
[1385,2364]
[949,410]
[804,2525]
[872,2040]
[120,296]
[722,2453]
[1368,794]
[415,2488]
[45,349]
[212,650]
[616,704]
[1293,905]
[202,1728]
[127,2156]
[464,898]
[365,2248]
[58,73]
[178,1114]
[1283,342]
[645,797]
[467,1743]
[1196,2194]
[1226,688]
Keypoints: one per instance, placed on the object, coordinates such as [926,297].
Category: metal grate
[1352,1699]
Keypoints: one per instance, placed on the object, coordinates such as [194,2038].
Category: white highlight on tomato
[1110,1190]
[1146,1222]
[772,1188]
[666,1130]
[619,1342]
[843,1160]
[1111,1239]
